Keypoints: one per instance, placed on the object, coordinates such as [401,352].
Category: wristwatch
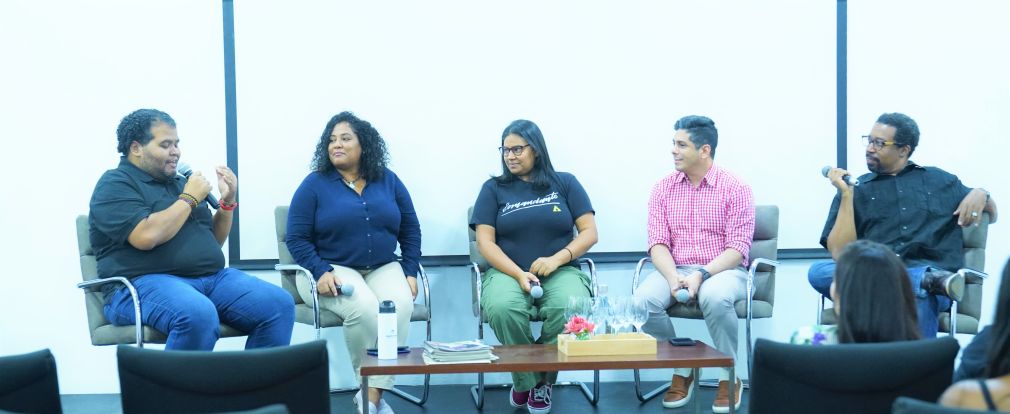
[704,274]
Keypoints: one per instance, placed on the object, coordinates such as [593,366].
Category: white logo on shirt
[536,202]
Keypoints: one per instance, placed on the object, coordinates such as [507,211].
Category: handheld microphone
[346,290]
[847,178]
[682,295]
[536,291]
[183,169]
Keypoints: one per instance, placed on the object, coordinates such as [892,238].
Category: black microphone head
[825,170]
[183,169]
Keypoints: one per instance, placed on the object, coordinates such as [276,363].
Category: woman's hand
[327,284]
[412,282]
[544,266]
[524,280]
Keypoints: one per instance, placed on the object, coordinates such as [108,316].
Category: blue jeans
[928,306]
[189,309]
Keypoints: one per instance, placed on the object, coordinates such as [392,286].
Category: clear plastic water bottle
[387,330]
[602,310]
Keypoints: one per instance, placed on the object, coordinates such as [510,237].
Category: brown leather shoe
[942,282]
[680,392]
[721,404]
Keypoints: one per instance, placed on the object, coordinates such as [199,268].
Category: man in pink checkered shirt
[701,222]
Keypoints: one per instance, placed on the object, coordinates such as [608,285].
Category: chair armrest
[972,276]
[592,273]
[422,277]
[91,284]
[475,271]
[638,273]
[754,263]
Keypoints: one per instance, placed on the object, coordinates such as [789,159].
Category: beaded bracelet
[189,200]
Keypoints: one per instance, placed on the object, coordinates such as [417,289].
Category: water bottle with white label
[387,330]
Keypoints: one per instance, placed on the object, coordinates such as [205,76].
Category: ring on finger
[974,214]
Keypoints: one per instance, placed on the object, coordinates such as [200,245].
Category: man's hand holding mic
[197,186]
[840,178]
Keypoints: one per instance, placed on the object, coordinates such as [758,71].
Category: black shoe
[942,282]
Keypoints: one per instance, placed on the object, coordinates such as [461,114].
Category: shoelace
[542,393]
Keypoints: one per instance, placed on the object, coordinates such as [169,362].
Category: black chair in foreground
[28,383]
[296,376]
[848,378]
[905,405]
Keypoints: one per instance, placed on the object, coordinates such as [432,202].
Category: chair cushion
[965,324]
[110,334]
[328,319]
[760,309]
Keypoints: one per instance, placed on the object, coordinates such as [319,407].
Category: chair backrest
[905,405]
[848,378]
[153,381]
[283,255]
[28,383]
[765,245]
[94,300]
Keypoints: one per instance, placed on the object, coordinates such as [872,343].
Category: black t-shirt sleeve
[485,209]
[578,200]
[830,222]
[117,206]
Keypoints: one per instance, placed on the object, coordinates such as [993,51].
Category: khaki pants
[360,311]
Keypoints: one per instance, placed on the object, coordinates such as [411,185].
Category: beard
[873,164]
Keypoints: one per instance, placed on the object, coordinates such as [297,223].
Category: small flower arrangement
[815,335]
[580,327]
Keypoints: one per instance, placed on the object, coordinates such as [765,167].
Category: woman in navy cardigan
[344,224]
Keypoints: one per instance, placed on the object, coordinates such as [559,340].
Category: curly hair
[137,127]
[906,131]
[374,156]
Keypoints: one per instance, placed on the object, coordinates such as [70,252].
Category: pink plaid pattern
[698,224]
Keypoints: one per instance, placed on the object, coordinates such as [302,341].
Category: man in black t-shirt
[153,226]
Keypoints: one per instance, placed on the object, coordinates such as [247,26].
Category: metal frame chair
[478,265]
[311,314]
[102,331]
[969,309]
[763,264]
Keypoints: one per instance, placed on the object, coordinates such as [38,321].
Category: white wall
[70,71]
[606,83]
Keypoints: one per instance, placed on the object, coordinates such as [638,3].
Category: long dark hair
[875,299]
[543,174]
[374,156]
[998,357]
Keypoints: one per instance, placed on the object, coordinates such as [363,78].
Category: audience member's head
[873,296]
[998,358]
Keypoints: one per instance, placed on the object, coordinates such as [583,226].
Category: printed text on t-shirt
[536,202]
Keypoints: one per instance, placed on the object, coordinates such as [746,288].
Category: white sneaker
[384,408]
[371,405]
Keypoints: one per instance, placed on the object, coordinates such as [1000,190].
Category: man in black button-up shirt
[916,211]
[153,226]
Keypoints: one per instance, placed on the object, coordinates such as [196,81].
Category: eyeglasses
[516,150]
[877,142]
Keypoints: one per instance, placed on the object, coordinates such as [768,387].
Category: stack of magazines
[459,352]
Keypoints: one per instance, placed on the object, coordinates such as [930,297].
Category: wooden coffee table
[518,358]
